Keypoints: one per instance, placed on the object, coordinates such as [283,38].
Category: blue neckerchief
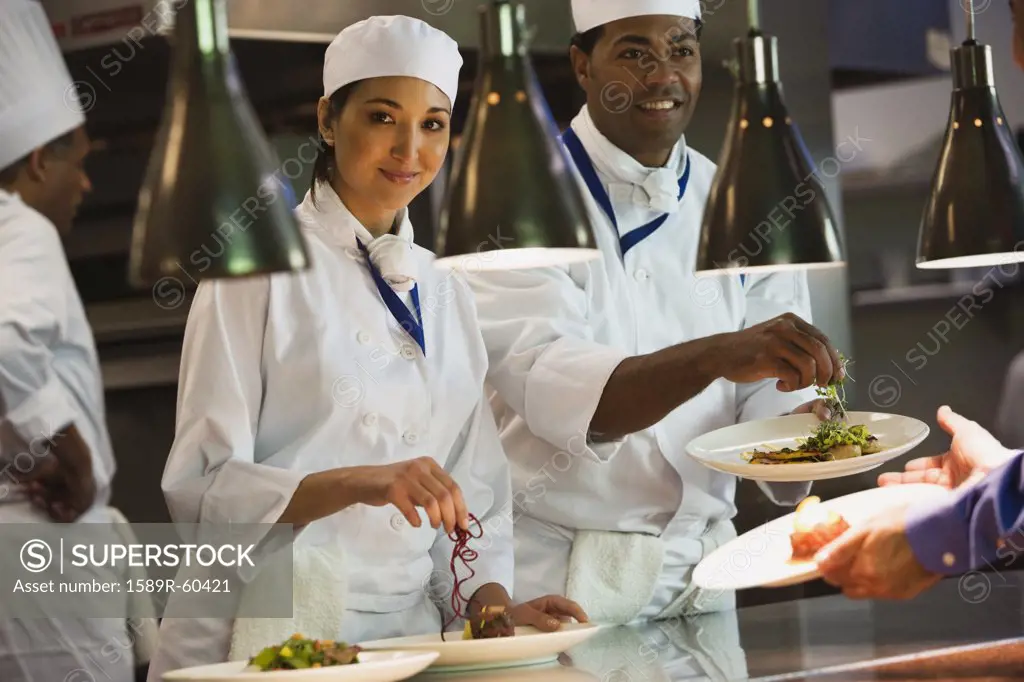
[589,173]
[586,166]
[398,309]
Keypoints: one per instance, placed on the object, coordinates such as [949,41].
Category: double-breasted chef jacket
[291,374]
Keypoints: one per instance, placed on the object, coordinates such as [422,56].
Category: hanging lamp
[975,212]
[513,201]
[213,203]
[766,210]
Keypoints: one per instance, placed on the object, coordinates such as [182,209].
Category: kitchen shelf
[915,293]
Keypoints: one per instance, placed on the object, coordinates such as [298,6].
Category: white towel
[319,586]
[613,575]
[694,601]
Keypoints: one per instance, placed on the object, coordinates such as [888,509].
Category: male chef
[604,371]
[56,462]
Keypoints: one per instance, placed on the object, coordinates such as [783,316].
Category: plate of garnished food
[801,447]
[781,552]
[496,643]
[490,637]
[298,659]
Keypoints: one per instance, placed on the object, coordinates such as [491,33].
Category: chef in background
[348,400]
[55,453]
[604,371]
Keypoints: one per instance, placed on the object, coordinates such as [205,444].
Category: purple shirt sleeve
[982,523]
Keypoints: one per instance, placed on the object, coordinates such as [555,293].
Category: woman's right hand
[414,483]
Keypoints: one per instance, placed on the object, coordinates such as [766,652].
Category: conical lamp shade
[766,210]
[213,203]
[513,201]
[975,214]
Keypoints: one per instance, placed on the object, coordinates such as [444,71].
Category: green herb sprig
[835,393]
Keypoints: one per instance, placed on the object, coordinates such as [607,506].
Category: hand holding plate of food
[801,447]
[781,552]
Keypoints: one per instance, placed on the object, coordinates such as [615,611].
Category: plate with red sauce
[529,646]
[764,556]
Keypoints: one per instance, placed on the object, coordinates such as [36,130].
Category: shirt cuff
[563,391]
[939,537]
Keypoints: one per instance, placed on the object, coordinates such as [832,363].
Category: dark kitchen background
[867,81]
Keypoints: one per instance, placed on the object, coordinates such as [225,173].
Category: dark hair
[323,169]
[9,175]
[587,40]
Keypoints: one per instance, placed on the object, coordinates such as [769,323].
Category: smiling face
[642,79]
[389,141]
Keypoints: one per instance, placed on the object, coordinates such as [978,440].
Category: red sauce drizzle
[462,551]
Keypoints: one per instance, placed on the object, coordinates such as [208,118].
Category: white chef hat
[393,46]
[588,14]
[38,101]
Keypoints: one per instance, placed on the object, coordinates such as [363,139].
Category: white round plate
[723,449]
[529,647]
[762,557]
[551,672]
[373,666]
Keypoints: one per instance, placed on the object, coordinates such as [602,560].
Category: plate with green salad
[298,659]
[800,447]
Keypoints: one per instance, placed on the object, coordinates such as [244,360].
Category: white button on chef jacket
[257,414]
[555,335]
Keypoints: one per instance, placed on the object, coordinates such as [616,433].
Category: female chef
[348,400]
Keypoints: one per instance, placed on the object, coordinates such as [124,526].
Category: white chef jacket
[49,371]
[555,335]
[292,374]
[49,378]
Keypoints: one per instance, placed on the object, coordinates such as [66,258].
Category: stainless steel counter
[967,628]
